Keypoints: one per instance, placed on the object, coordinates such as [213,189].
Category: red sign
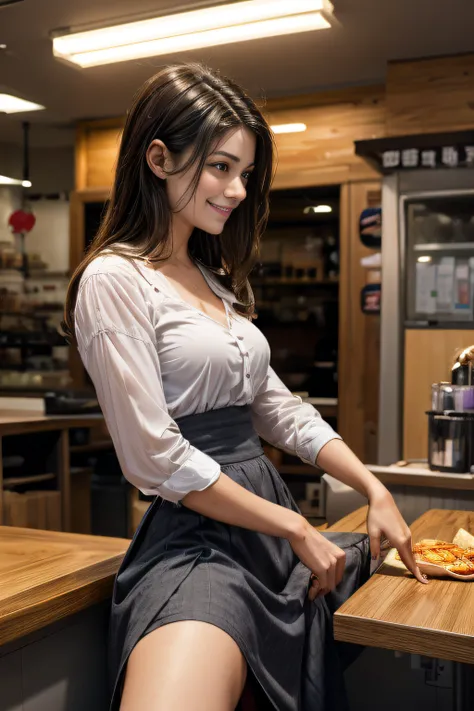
[21,221]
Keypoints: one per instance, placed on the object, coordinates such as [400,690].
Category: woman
[216,582]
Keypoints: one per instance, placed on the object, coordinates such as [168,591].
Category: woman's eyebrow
[231,156]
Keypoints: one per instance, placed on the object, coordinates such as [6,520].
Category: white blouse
[153,357]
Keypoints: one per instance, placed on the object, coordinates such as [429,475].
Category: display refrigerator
[427,310]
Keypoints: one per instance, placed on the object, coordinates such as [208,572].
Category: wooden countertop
[393,611]
[48,575]
[22,422]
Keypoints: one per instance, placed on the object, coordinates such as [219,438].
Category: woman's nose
[236,190]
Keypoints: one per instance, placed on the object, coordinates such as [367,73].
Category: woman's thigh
[184,665]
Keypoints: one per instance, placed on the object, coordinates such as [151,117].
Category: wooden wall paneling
[324,153]
[345,332]
[359,336]
[97,145]
[371,381]
[80,158]
[76,229]
[102,151]
[328,97]
[77,202]
[429,355]
[1,481]
[430,95]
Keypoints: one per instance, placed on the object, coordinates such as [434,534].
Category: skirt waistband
[227,435]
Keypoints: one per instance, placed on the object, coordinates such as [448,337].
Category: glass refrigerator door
[439,258]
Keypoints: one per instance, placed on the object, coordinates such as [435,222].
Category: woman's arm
[337,459]
[117,343]
[287,422]
[230,503]
[384,517]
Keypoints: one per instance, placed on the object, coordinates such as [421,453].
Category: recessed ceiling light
[218,25]
[424,260]
[317,209]
[4,180]
[13,104]
[289,128]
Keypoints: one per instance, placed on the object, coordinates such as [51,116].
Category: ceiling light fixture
[13,104]
[4,180]
[289,128]
[218,25]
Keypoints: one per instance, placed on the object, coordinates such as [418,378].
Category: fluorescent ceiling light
[4,180]
[318,209]
[12,104]
[424,260]
[224,24]
[289,128]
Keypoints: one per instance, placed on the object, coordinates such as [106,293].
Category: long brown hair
[186,106]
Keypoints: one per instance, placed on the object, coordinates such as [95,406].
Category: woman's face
[222,185]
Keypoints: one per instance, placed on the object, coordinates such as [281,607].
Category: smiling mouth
[222,210]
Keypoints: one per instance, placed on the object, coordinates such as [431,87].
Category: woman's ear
[157,157]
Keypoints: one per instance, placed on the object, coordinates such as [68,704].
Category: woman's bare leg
[184,665]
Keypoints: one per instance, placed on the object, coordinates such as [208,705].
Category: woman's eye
[247,174]
[220,166]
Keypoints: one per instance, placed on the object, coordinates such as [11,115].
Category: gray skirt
[184,566]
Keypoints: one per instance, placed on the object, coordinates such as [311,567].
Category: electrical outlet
[438,672]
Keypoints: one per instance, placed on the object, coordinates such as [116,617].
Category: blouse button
[248,375]
[156,288]
[241,338]
[246,355]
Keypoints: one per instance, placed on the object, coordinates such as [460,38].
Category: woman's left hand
[384,518]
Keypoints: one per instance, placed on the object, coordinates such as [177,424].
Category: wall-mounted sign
[370,227]
[421,152]
[444,157]
[370,299]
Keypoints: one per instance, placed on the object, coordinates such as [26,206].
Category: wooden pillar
[359,334]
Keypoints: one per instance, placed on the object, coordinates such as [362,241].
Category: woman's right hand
[325,560]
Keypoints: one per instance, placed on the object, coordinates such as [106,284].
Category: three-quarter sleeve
[285,421]
[116,341]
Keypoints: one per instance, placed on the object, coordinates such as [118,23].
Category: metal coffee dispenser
[451,419]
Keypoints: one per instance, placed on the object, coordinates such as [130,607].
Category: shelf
[444,246]
[291,281]
[19,480]
[299,469]
[39,313]
[22,314]
[44,274]
[78,471]
[91,446]
[30,339]
[321,401]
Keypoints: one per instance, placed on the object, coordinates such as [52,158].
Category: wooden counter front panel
[47,575]
[429,355]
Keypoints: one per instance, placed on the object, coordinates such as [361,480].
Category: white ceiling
[372,32]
